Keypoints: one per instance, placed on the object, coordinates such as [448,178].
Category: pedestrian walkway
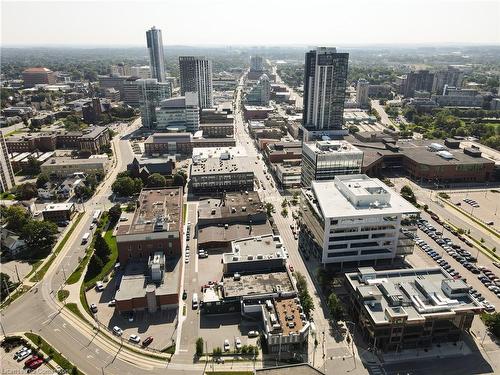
[444,350]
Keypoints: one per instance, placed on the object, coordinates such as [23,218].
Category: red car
[30,360]
[147,341]
[35,364]
[290,267]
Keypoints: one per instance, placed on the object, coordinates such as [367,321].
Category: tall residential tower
[324,91]
[196,76]
[156,57]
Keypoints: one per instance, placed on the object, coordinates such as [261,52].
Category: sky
[250,22]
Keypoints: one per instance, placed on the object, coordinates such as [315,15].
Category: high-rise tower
[156,57]
[324,91]
[196,76]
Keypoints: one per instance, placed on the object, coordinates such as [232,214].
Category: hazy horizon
[225,23]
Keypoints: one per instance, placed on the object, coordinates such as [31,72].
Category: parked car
[93,308]
[237,343]
[117,331]
[112,303]
[23,355]
[226,345]
[147,341]
[35,364]
[253,333]
[134,338]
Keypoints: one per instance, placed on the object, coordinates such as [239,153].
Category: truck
[97,216]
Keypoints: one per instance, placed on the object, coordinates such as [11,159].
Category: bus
[97,216]
[85,238]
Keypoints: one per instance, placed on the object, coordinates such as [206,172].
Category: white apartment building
[143,71]
[323,160]
[354,221]
[179,114]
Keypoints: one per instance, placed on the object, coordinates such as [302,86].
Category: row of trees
[126,185]
[304,296]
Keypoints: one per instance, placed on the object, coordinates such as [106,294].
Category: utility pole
[17,273]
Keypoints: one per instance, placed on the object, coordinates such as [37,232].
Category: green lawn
[51,352]
[74,309]
[62,294]
[108,267]
[41,273]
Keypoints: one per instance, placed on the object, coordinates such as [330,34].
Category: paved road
[384,118]
[7,129]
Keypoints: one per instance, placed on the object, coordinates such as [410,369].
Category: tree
[492,321]
[32,166]
[304,296]
[114,213]
[126,186]
[26,191]
[269,209]
[39,235]
[95,266]
[335,307]
[199,346]
[156,180]
[284,212]
[179,179]
[16,218]
[42,179]
[101,247]
[407,193]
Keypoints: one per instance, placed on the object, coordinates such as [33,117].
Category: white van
[195,301]
[85,238]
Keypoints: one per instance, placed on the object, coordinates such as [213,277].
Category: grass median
[41,273]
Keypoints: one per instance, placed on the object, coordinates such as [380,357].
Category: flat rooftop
[215,233]
[257,284]
[215,165]
[94,132]
[356,195]
[202,153]
[411,293]
[159,210]
[288,169]
[257,245]
[71,161]
[417,150]
[134,280]
[288,313]
[232,205]
[58,207]
[332,147]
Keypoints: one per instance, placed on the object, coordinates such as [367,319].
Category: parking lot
[452,255]
[219,327]
[211,268]
[481,204]
[161,325]
[12,366]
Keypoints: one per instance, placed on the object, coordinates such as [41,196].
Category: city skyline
[302,25]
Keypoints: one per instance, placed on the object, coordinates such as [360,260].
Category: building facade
[142,71]
[155,227]
[38,76]
[362,89]
[323,160]
[179,114]
[6,172]
[222,173]
[260,94]
[420,80]
[151,94]
[154,43]
[410,308]
[196,76]
[355,220]
[325,78]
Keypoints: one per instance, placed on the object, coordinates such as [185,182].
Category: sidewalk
[445,350]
